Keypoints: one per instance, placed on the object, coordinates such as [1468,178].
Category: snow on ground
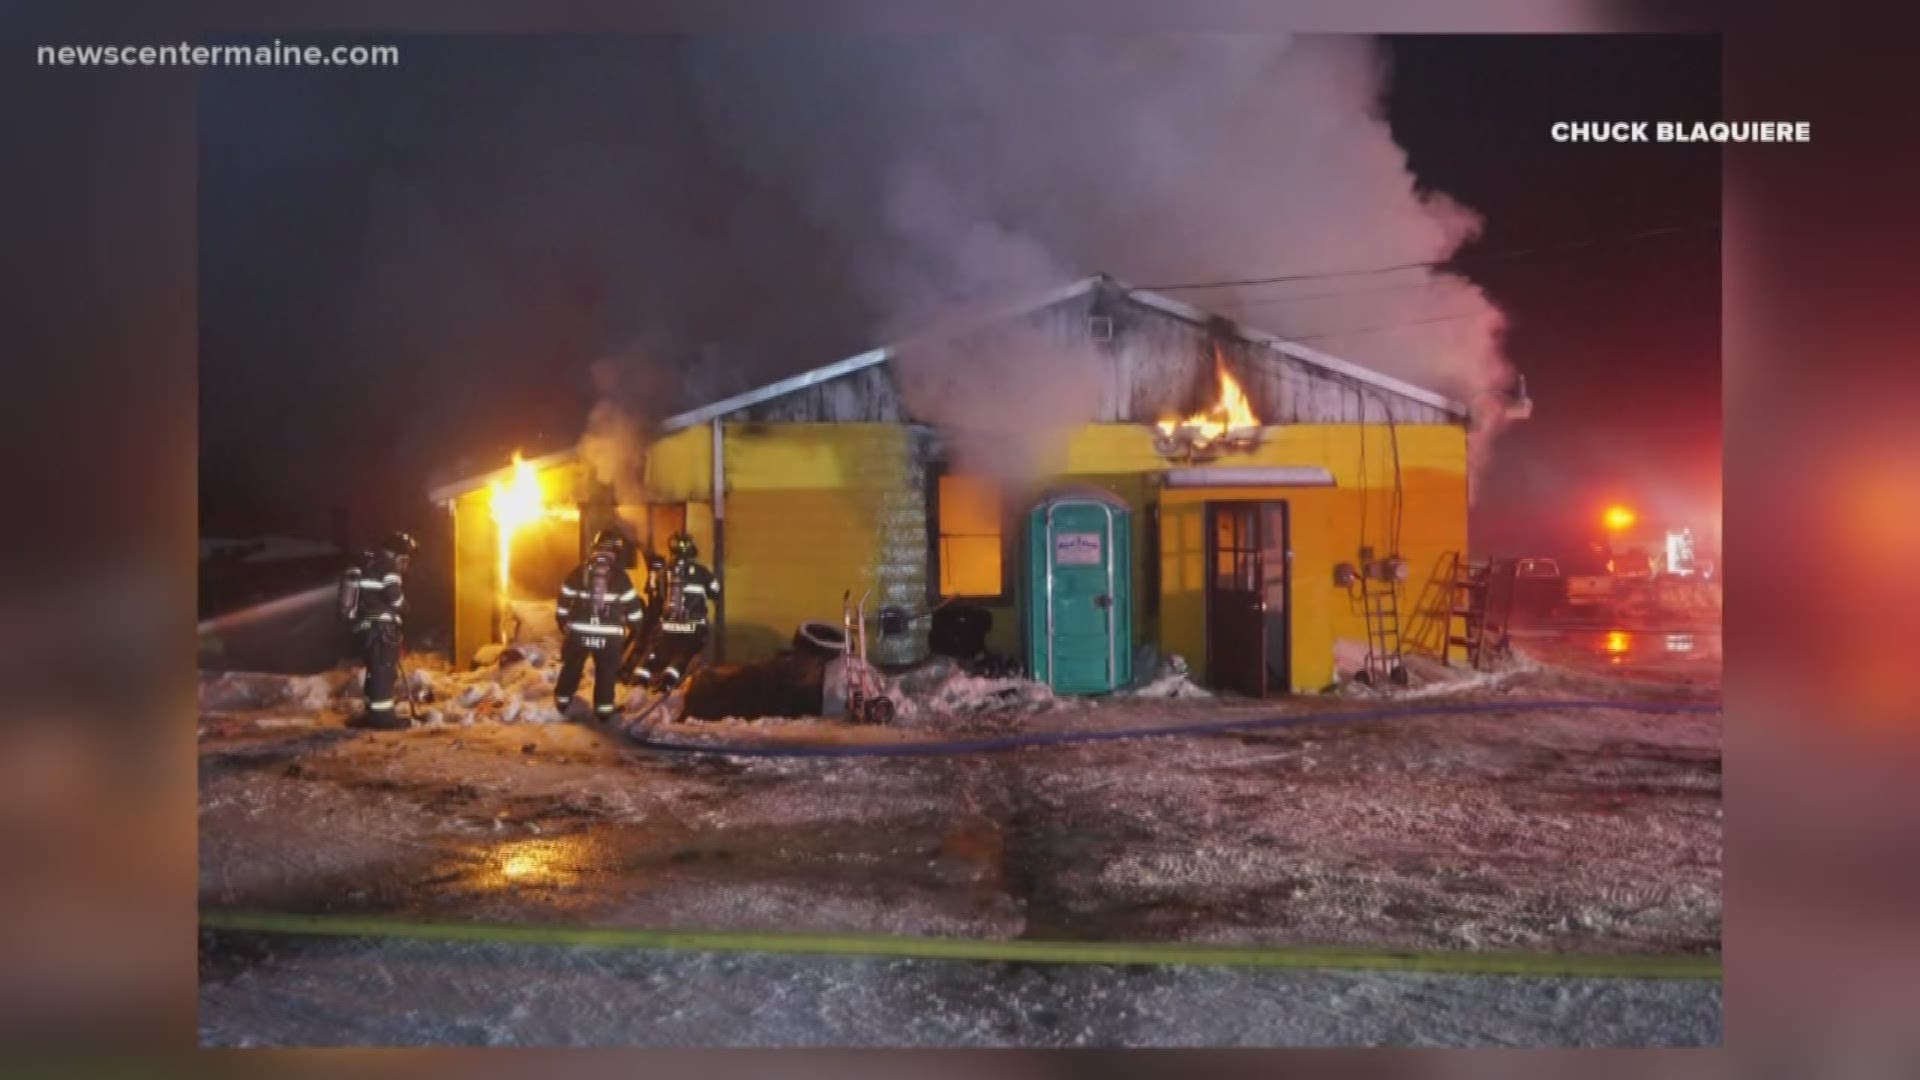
[1537,828]
[1540,828]
[518,690]
[258,991]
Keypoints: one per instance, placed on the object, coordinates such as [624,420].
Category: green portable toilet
[1076,594]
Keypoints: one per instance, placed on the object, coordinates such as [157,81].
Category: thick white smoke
[955,169]
[613,446]
[1005,402]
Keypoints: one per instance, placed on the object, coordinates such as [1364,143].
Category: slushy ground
[1537,829]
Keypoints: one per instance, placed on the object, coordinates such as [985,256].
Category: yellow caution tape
[1019,950]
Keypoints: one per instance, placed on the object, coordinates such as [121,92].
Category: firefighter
[685,593]
[373,600]
[598,611]
[639,644]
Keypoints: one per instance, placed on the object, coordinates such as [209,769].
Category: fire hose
[1030,740]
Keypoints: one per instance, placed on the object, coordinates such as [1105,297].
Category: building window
[970,553]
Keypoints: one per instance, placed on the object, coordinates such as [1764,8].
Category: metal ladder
[1466,608]
[1380,601]
[1481,600]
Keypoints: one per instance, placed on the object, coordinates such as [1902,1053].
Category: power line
[1267,301]
[1462,260]
[1380,326]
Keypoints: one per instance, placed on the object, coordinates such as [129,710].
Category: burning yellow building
[1272,488]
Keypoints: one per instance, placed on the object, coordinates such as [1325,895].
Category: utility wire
[1379,327]
[1266,301]
[1460,260]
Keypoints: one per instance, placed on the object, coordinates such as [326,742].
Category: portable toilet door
[1078,589]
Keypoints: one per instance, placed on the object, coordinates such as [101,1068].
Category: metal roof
[455,488]
[779,389]
[870,358]
[1166,304]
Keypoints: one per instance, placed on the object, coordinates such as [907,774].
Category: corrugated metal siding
[865,396]
[1160,365]
[1164,366]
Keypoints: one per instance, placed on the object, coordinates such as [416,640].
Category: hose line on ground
[1027,740]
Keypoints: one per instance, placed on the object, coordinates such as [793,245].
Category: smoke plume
[753,207]
[613,446]
[1006,401]
[951,170]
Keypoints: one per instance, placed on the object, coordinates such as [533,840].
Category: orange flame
[1230,413]
[514,503]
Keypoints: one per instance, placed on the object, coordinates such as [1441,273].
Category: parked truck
[1589,578]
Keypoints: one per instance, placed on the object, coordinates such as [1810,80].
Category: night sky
[327,344]
[1620,343]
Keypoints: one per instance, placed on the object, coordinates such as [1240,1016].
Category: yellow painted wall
[813,509]
[1324,530]
[475,568]
[1320,611]
[680,466]
[1325,524]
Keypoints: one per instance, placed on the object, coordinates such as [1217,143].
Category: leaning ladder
[1480,605]
[1466,609]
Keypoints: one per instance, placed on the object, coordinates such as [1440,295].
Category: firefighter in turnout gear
[373,602]
[598,611]
[687,588]
[639,643]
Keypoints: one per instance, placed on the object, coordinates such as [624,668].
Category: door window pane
[1236,562]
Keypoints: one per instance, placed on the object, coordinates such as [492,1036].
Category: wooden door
[1236,626]
[1248,608]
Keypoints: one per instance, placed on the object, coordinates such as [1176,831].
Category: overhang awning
[449,491]
[1207,476]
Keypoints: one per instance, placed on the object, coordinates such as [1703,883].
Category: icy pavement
[264,991]
[1679,654]
[1546,829]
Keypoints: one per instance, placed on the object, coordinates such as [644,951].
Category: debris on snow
[964,695]
[1171,677]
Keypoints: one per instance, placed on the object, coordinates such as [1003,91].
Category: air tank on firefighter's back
[1076,591]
